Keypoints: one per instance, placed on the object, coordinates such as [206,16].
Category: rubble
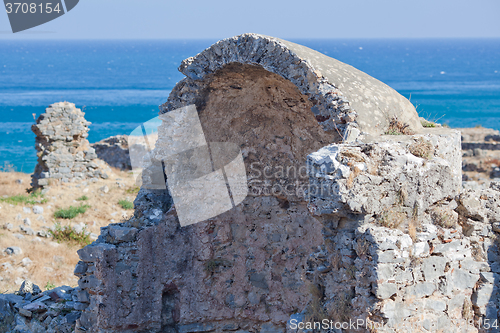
[31,310]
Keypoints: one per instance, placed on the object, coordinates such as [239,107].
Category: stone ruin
[64,153]
[343,222]
[116,150]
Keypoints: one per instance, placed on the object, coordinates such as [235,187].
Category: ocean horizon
[119,84]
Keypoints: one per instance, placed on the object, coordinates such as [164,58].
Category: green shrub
[67,234]
[133,190]
[71,212]
[426,123]
[49,285]
[32,199]
[126,204]
[83,198]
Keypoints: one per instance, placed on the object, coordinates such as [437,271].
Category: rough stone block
[421,289]
[80,268]
[463,280]
[93,252]
[394,312]
[433,267]
[119,234]
[436,305]
[483,294]
[385,290]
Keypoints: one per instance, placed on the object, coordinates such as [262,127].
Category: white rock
[26,262]
[78,228]
[37,210]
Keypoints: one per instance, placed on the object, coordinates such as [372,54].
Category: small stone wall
[64,153]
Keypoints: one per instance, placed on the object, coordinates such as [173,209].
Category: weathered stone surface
[385,290]
[421,289]
[463,280]
[80,268]
[27,287]
[94,251]
[114,151]
[121,234]
[37,209]
[373,178]
[483,295]
[433,267]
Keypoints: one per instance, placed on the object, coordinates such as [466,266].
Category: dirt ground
[52,263]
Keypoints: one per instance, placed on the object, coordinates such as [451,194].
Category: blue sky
[146,19]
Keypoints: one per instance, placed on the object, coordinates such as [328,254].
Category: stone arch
[342,97]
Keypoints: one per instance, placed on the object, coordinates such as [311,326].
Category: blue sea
[120,84]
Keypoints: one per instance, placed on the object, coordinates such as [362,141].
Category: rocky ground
[481,156]
[27,247]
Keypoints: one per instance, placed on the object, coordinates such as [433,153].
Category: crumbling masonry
[376,229]
[64,153]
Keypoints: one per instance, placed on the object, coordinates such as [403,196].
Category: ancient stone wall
[376,229]
[64,153]
[397,229]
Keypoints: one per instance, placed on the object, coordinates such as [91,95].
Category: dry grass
[412,228]
[53,262]
[397,127]
[422,148]
[352,176]
[315,311]
[467,310]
